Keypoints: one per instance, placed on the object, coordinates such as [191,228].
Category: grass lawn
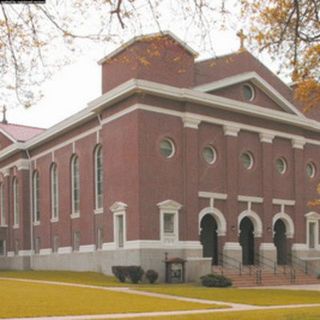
[281,314]
[90,278]
[21,299]
[266,297]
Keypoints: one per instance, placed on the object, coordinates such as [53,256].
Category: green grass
[23,299]
[280,314]
[260,297]
[90,278]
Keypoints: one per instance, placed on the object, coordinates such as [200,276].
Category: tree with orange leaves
[290,31]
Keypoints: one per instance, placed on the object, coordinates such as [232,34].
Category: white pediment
[118,206]
[312,216]
[169,205]
[258,81]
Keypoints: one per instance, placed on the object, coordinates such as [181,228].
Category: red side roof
[19,132]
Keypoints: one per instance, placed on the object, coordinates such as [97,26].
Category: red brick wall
[158,59]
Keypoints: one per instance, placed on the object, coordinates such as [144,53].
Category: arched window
[36,197]
[16,207]
[54,192]
[2,208]
[75,186]
[98,171]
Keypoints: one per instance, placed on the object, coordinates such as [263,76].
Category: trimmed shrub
[152,276]
[215,280]
[119,272]
[135,273]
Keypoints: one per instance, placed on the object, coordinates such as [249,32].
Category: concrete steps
[254,276]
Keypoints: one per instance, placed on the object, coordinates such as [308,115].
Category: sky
[75,85]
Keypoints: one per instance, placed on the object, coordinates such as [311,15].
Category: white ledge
[75,215]
[87,248]
[284,202]
[250,199]
[45,252]
[98,211]
[212,195]
[53,220]
[64,250]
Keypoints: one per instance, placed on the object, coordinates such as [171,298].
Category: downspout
[31,207]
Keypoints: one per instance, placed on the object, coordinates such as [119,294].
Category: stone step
[248,277]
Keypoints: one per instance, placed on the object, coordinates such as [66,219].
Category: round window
[167,148]
[247,160]
[248,92]
[281,165]
[209,154]
[311,170]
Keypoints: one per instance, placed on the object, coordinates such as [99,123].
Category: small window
[247,160]
[16,247]
[311,170]
[16,205]
[167,148]
[75,185]
[3,221]
[36,196]
[209,154]
[37,245]
[76,241]
[54,192]
[99,238]
[312,235]
[119,231]
[248,92]
[168,222]
[98,177]
[281,165]
[55,243]
[3,249]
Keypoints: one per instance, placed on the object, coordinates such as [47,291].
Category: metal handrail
[262,260]
[303,266]
[226,261]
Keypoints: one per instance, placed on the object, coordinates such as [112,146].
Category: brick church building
[204,160]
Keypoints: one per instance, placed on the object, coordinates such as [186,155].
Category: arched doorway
[247,241]
[209,237]
[280,241]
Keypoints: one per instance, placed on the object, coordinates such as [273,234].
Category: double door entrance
[210,245]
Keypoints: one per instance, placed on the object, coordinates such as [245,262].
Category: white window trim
[35,198]
[74,214]
[171,207]
[4,248]
[3,222]
[16,209]
[54,169]
[313,217]
[119,209]
[97,208]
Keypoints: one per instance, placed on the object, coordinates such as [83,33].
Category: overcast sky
[75,85]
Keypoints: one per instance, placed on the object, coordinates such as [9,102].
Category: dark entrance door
[280,241]
[247,241]
[209,238]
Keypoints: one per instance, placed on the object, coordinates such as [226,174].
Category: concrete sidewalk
[166,313]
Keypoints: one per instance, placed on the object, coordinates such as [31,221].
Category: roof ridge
[21,125]
[222,56]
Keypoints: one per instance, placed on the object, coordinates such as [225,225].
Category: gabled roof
[19,133]
[259,82]
[148,36]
